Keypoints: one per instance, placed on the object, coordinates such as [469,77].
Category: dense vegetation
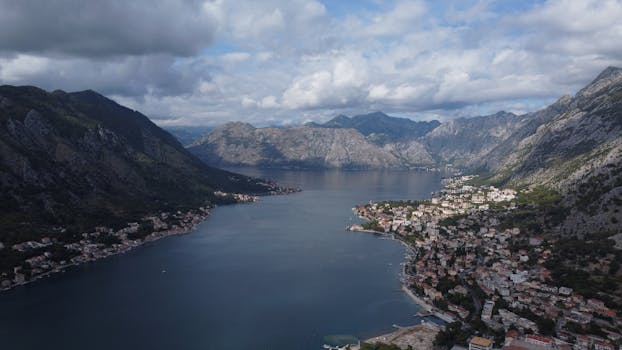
[539,210]
[452,335]
[591,267]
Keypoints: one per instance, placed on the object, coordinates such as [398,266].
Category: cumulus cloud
[274,25]
[130,75]
[105,28]
[399,19]
[338,86]
[282,62]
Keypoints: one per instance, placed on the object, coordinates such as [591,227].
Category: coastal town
[50,254]
[486,277]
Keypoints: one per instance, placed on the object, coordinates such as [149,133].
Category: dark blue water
[278,274]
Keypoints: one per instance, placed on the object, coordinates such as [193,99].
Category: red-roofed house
[538,340]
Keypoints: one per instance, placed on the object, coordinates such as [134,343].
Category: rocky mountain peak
[607,78]
[505,114]
[377,114]
[237,125]
[609,72]
[339,119]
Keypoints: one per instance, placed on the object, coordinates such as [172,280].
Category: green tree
[546,326]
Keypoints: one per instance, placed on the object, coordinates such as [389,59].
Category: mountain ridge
[307,146]
[574,147]
[80,159]
[386,140]
[378,122]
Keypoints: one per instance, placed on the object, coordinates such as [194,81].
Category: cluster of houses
[90,247]
[515,341]
[240,197]
[461,246]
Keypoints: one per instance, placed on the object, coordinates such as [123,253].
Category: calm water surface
[278,274]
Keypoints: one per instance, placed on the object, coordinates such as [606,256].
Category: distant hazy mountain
[303,147]
[391,128]
[186,134]
[80,159]
[373,140]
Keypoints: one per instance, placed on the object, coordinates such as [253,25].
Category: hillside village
[487,278]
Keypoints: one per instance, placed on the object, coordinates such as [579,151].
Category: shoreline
[417,299]
[193,218]
[425,305]
[419,336]
[153,237]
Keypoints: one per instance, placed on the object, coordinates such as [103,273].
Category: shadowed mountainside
[80,159]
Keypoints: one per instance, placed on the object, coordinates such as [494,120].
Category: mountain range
[373,140]
[378,123]
[377,140]
[573,146]
[78,160]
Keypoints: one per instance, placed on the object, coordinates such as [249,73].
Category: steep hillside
[462,140]
[80,160]
[575,147]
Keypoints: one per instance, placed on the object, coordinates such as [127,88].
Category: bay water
[281,273]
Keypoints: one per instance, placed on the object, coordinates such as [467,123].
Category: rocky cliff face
[81,159]
[565,137]
[462,140]
[574,146]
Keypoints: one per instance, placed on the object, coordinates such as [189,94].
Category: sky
[287,62]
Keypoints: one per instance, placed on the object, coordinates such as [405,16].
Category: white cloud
[269,102]
[278,61]
[342,85]
[480,11]
[401,18]
[574,17]
[20,67]
[235,57]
